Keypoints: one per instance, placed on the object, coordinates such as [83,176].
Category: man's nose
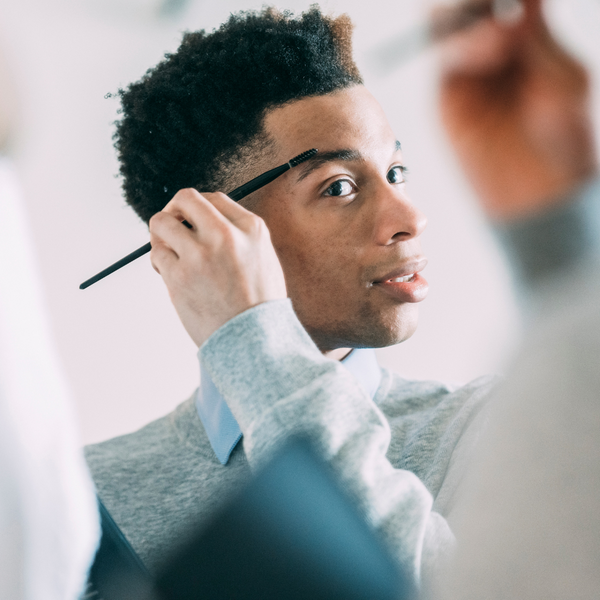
[398,219]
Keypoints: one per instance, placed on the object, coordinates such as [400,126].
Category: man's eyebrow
[322,158]
[317,161]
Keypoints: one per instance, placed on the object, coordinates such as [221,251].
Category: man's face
[342,225]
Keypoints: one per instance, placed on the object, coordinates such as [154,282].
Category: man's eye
[397,174]
[341,187]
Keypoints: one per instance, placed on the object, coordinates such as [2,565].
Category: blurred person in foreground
[48,516]
[515,105]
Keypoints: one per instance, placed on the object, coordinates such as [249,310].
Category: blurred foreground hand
[515,106]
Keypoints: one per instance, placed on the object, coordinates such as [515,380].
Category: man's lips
[405,283]
[410,267]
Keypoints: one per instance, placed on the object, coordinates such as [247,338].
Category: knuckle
[158,250]
[256,225]
[155,220]
[188,192]
[185,196]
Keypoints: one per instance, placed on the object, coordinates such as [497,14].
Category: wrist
[536,199]
[555,242]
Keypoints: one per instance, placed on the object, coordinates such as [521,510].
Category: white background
[127,357]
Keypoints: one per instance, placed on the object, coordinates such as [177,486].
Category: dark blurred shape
[292,533]
[117,572]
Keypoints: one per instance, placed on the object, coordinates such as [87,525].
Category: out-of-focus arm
[528,523]
[516,106]
[48,515]
[277,383]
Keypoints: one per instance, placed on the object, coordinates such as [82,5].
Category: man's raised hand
[222,266]
[515,106]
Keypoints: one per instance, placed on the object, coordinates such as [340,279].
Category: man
[345,249]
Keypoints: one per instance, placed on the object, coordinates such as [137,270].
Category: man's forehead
[340,155]
[332,118]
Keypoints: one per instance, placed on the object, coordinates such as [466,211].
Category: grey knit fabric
[402,455]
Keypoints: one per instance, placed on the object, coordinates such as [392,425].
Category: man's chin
[386,338]
[376,336]
[383,330]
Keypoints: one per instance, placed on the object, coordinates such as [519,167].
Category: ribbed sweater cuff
[556,241]
[260,356]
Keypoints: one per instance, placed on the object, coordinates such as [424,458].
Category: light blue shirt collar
[222,429]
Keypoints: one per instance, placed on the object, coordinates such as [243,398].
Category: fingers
[209,212]
[532,12]
[222,266]
[189,205]
[509,12]
[234,212]
[483,49]
[491,42]
[165,236]
[213,217]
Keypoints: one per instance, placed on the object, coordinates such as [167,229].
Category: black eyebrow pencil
[237,194]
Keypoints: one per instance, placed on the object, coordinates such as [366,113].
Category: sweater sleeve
[277,383]
[529,505]
[551,250]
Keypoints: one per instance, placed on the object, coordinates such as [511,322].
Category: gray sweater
[401,455]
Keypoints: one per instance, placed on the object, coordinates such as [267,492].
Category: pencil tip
[302,157]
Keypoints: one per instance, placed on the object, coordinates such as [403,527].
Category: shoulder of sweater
[429,420]
[403,397]
[163,437]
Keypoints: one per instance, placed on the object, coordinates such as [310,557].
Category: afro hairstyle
[192,113]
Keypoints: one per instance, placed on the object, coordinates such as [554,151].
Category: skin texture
[515,106]
[333,248]
[334,244]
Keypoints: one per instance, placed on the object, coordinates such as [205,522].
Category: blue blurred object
[291,533]
[117,573]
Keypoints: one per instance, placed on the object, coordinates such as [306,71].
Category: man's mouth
[405,273]
[405,283]
[402,279]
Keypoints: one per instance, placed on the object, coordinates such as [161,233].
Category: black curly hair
[195,114]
